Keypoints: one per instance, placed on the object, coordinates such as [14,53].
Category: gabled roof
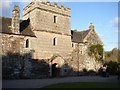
[25,27]
[78,36]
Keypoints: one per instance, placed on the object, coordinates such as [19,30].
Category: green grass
[85,85]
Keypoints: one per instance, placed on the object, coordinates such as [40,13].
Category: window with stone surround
[55,19]
[27,43]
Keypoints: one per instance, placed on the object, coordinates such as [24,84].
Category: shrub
[112,67]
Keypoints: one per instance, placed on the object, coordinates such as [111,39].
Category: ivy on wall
[96,51]
[107,55]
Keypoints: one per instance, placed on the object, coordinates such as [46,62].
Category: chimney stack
[91,26]
[15,20]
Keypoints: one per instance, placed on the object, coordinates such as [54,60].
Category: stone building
[45,32]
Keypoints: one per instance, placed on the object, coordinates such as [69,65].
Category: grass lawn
[85,85]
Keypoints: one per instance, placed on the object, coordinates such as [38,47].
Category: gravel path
[38,83]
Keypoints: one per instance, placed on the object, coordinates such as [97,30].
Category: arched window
[54,41]
[27,43]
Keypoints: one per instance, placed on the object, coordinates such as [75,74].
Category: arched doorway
[56,68]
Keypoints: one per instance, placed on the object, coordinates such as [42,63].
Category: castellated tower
[15,20]
[48,16]
[51,24]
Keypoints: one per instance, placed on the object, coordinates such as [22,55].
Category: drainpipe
[78,59]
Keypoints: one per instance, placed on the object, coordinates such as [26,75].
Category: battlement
[47,6]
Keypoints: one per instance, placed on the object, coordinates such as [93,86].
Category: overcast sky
[104,15]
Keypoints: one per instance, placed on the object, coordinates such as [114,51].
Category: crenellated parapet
[47,6]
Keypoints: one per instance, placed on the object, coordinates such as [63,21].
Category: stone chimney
[15,20]
[91,26]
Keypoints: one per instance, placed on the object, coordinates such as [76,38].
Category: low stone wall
[16,66]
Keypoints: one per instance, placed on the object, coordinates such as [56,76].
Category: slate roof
[25,27]
[78,36]
[6,22]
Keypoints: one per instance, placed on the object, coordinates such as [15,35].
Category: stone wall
[18,61]
[81,60]
[90,61]
[12,43]
[16,43]
[80,57]
[44,47]
[93,39]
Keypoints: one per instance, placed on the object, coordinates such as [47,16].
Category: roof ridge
[84,30]
[81,31]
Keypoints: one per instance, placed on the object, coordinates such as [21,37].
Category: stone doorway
[56,66]
[55,70]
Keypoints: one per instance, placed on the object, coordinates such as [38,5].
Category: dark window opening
[81,52]
[55,18]
[27,43]
[72,45]
[54,41]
